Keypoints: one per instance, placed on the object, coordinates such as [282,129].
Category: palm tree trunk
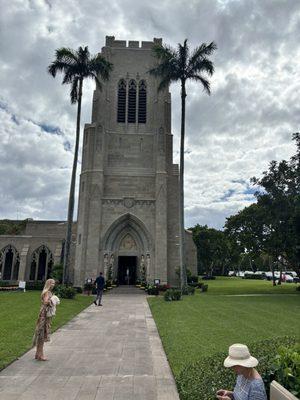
[183,280]
[66,270]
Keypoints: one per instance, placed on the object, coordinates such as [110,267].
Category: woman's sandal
[41,358]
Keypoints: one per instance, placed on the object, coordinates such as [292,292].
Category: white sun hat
[239,354]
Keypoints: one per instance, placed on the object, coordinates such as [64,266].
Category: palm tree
[77,65]
[181,65]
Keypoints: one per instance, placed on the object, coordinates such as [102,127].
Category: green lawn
[233,285]
[206,323]
[18,315]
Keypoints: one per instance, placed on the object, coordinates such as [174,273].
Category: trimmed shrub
[172,295]
[204,288]
[35,285]
[153,290]
[88,287]
[254,276]
[192,279]
[202,379]
[65,292]
[8,283]
[188,290]
[78,289]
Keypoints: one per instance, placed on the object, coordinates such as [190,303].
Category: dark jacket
[100,282]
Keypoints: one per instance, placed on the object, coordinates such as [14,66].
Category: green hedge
[201,380]
[8,283]
[172,295]
[65,292]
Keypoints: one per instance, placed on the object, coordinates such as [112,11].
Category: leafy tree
[8,227]
[77,65]
[213,250]
[279,197]
[179,65]
[268,230]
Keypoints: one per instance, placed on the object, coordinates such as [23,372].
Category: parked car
[231,273]
[286,277]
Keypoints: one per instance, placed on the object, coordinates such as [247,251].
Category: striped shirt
[249,389]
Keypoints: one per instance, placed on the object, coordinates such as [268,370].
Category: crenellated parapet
[134,44]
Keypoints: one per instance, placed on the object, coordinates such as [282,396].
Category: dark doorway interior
[127,270]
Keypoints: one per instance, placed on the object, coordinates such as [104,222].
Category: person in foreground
[249,384]
[43,325]
[100,283]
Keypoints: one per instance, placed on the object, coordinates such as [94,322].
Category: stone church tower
[129,186]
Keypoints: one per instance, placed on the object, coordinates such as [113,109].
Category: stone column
[23,263]
[105,265]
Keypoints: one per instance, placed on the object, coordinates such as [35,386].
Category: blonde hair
[47,286]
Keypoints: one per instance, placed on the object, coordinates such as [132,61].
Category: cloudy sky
[231,135]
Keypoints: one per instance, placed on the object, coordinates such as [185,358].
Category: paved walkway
[105,353]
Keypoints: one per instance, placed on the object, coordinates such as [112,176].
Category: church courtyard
[109,352]
[115,351]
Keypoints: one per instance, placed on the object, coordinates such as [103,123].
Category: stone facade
[129,187]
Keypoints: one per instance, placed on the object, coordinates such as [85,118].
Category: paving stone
[112,352]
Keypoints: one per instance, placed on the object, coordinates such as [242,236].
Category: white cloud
[231,135]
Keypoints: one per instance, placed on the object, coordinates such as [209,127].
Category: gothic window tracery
[121,101]
[142,110]
[131,116]
[41,264]
[9,263]
[134,98]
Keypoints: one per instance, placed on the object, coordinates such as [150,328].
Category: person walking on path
[249,384]
[43,325]
[100,283]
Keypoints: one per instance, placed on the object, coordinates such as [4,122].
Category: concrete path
[105,353]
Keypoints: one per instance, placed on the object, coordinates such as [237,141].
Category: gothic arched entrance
[127,250]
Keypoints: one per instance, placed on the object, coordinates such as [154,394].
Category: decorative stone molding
[130,202]
[128,243]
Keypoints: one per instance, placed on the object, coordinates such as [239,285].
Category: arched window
[41,264]
[131,102]
[121,101]
[142,115]
[9,263]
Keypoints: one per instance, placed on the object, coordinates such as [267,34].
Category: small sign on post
[22,285]
[156,281]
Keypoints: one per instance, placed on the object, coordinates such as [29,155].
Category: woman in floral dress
[42,329]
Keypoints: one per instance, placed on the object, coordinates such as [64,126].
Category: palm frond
[66,55]
[202,51]
[77,65]
[74,90]
[57,66]
[98,83]
[205,82]
[100,66]
[201,65]
[183,55]
[163,52]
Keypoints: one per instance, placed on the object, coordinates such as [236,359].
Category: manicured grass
[18,315]
[233,285]
[204,324]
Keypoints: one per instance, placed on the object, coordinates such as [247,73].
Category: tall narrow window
[121,101]
[131,102]
[142,103]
